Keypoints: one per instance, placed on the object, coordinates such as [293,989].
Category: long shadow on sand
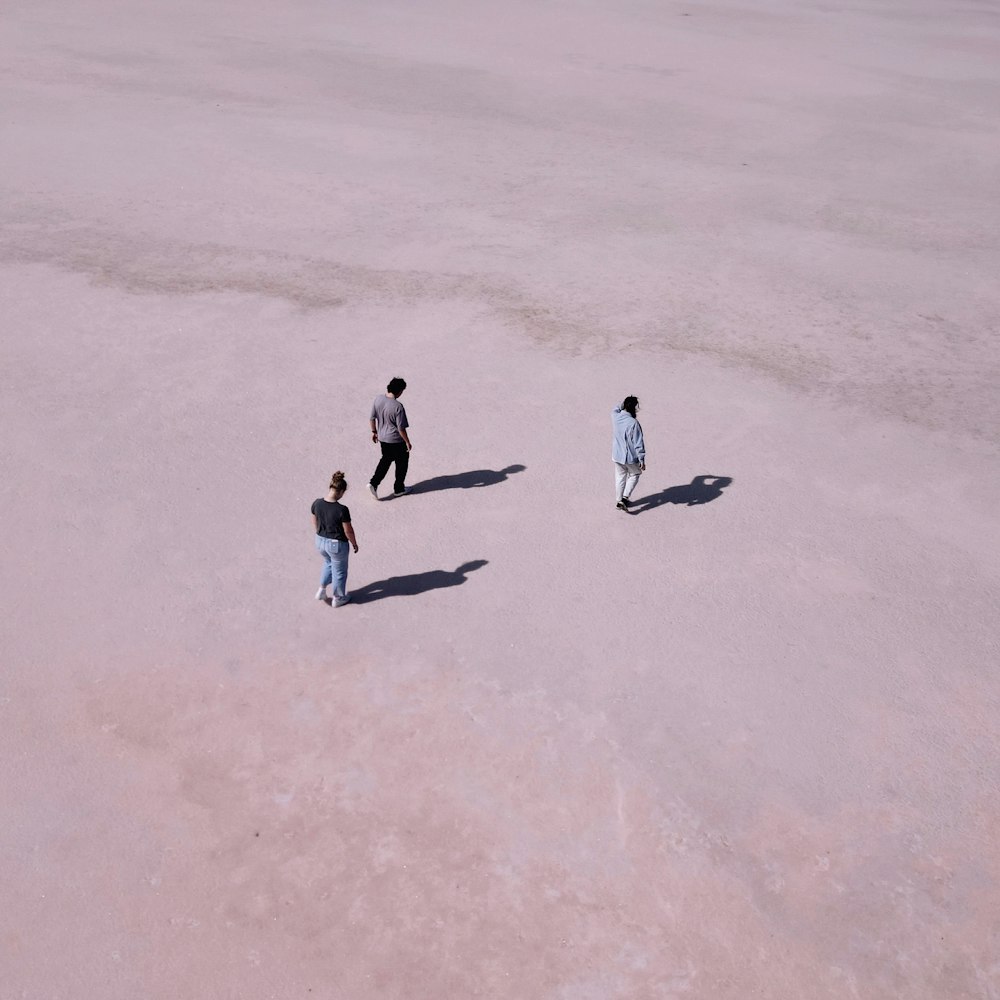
[466,480]
[701,489]
[415,583]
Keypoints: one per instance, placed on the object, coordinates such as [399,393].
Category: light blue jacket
[628,448]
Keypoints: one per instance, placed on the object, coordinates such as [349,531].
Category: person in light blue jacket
[628,450]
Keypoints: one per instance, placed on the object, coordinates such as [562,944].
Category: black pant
[392,453]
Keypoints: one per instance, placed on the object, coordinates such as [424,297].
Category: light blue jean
[334,555]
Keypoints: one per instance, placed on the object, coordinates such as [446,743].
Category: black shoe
[622,505]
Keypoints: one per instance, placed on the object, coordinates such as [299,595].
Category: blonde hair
[337,482]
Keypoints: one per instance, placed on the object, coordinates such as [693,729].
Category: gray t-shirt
[389,415]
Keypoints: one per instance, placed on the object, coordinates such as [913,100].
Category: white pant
[626,476]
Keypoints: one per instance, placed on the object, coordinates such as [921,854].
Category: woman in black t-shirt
[332,522]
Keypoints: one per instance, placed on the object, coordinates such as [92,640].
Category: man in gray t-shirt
[388,425]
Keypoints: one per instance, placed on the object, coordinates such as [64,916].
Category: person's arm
[640,447]
[401,424]
[374,430]
[349,531]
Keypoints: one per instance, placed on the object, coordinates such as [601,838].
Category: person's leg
[620,473]
[383,465]
[338,557]
[327,577]
[634,472]
[402,464]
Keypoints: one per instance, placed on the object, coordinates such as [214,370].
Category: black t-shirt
[330,519]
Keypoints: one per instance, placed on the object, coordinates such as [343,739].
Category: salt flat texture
[741,748]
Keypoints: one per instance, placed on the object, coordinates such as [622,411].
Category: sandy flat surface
[742,743]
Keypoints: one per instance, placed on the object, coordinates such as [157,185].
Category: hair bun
[336,479]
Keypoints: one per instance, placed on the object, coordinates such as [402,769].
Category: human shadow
[466,480]
[701,489]
[415,583]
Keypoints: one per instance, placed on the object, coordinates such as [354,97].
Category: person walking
[388,425]
[332,523]
[628,450]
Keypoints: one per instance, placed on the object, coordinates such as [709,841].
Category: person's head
[396,386]
[630,405]
[338,484]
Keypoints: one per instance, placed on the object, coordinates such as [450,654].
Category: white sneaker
[373,491]
[321,594]
[341,601]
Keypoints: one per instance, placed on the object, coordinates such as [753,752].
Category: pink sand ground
[742,749]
